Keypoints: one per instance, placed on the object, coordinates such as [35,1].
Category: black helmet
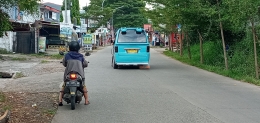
[74,46]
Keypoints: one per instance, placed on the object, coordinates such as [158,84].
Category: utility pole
[66,14]
[102,25]
[66,23]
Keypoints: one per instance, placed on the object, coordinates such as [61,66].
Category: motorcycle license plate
[72,92]
[73,83]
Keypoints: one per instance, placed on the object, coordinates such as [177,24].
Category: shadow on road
[128,67]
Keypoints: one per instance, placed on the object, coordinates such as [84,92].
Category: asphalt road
[170,92]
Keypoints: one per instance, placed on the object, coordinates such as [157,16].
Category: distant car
[131,47]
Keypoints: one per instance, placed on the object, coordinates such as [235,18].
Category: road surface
[170,92]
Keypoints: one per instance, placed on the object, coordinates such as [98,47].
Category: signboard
[83,28]
[42,44]
[77,29]
[66,30]
[93,38]
[87,39]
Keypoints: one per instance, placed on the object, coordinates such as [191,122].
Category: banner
[42,44]
[66,28]
[68,16]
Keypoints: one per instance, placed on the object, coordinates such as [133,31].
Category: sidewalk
[159,49]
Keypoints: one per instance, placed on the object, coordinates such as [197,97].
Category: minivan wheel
[115,66]
[112,62]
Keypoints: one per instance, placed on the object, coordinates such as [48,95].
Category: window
[50,14]
[132,36]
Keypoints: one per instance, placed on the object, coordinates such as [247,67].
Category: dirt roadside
[32,97]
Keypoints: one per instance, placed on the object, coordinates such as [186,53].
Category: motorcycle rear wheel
[72,102]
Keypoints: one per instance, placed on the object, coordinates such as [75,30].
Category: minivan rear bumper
[132,59]
[134,63]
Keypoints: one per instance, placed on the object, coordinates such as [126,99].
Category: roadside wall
[6,42]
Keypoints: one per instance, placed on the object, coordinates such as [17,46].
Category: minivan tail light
[148,49]
[116,49]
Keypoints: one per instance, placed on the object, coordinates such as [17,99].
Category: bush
[3,51]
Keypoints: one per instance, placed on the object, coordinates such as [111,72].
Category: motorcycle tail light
[73,76]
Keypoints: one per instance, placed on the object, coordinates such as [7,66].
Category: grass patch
[240,67]
[19,59]
[4,51]
[19,75]
[56,56]
[44,61]
[44,55]
[49,111]
[4,105]
[38,55]
[2,97]
[7,107]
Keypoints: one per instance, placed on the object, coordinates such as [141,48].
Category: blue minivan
[131,47]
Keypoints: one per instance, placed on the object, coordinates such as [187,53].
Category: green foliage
[4,51]
[4,23]
[240,58]
[204,17]
[75,14]
[28,6]
[125,13]
[61,17]
[74,11]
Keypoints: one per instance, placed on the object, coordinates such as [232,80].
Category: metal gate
[25,42]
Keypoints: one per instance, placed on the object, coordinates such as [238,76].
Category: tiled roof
[53,5]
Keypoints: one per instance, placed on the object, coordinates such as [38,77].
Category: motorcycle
[73,92]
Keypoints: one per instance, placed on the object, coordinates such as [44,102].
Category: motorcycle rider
[74,61]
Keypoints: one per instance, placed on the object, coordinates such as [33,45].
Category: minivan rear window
[131,36]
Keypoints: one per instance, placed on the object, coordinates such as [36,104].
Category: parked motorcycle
[73,92]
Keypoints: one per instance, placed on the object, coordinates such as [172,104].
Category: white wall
[6,42]
[25,18]
[30,18]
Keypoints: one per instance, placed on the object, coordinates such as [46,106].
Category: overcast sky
[82,3]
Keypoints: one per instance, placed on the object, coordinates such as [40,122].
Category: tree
[73,6]
[128,15]
[95,13]
[28,6]
[248,13]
